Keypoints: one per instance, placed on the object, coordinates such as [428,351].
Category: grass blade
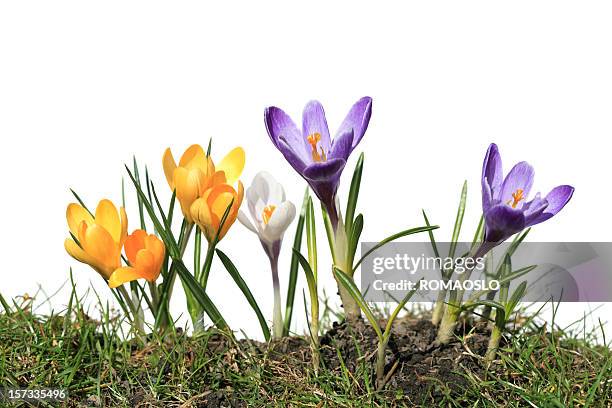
[458,221]
[293,269]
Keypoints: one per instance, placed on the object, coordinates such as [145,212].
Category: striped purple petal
[357,119]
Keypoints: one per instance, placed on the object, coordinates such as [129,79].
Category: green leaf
[514,275]
[233,271]
[203,279]
[399,307]
[81,202]
[293,269]
[351,288]
[393,238]
[311,237]
[200,295]
[458,221]
[310,278]
[351,204]
[140,206]
[354,238]
[479,234]
[518,294]
[166,236]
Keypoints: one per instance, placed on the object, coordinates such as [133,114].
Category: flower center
[517,196]
[313,139]
[267,213]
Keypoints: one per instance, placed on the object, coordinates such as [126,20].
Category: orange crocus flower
[208,210]
[146,255]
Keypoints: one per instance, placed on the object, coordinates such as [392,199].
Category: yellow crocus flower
[100,237]
[146,255]
[196,173]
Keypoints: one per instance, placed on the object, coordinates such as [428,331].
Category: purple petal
[357,119]
[280,126]
[313,121]
[556,199]
[324,178]
[502,222]
[492,172]
[534,209]
[290,155]
[324,170]
[341,146]
[519,178]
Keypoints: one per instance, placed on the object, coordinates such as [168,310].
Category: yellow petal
[77,253]
[194,158]
[122,275]
[169,167]
[75,214]
[104,251]
[188,186]
[200,214]
[232,165]
[108,218]
[124,225]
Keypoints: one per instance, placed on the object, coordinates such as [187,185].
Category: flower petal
[296,161]
[122,275]
[188,184]
[194,157]
[280,126]
[244,220]
[280,220]
[77,253]
[169,166]
[75,214]
[134,243]
[502,222]
[324,178]
[342,146]
[98,243]
[556,199]
[232,165]
[314,121]
[519,178]
[107,217]
[357,119]
[492,172]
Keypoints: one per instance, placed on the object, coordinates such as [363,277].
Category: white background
[84,86]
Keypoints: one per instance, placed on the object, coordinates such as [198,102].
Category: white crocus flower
[271,215]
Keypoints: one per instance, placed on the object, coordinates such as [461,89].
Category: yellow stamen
[517,196]
[313,139]
[267,213]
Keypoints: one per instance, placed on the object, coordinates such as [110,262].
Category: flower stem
[277,316]
[380,364]
[438,310]
[448,324]
[496,334]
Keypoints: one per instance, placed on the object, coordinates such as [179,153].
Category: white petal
[281,218]
[244,220]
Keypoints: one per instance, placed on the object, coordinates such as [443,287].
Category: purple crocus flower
[312,152]
[505,204]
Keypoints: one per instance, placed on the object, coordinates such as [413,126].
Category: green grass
[91,359]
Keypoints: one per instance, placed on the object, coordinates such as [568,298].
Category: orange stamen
[517,196]
[267,213]
[313,139]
